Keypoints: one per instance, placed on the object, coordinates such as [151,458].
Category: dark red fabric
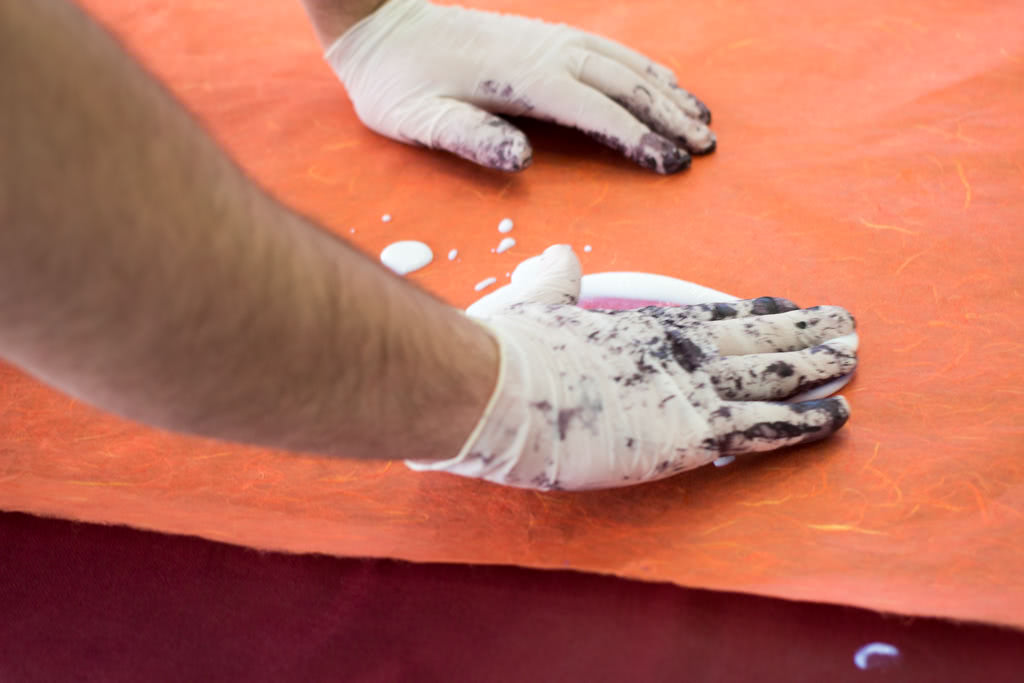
[91,603]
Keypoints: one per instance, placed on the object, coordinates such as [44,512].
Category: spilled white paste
[506,225]
[485,283]
[406,256]
[862,658]
[386,218]
[452,254]
[506,244]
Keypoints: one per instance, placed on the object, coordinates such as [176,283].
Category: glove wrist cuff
[489,409]
[364,35]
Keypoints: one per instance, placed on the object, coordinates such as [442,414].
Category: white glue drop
[862,658]
[587,248]
[386,218]
[406,256]
[506,225]
[484,284]
[452,254]
[506,244]
[724,460]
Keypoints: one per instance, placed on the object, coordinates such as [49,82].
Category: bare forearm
[331,18]
[141,271]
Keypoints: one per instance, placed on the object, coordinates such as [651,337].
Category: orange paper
[871,154]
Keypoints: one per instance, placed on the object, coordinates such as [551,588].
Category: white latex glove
[599,399]
[425,74]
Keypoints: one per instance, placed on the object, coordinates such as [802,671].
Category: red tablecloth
[83,602]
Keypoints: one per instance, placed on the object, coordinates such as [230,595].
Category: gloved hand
[599,399]
[425,74]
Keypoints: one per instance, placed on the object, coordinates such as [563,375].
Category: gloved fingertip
[706,150]
[705,113]
[552,277]
[558,250]
[766,305]
[840,411]
[674,161]
[558,260]
[562,258]
[511,153]
[660,155]
[707,144]
[835,407]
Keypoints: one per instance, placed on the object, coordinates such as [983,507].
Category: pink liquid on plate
[619,304]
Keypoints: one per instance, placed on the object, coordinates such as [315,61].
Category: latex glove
[425,74]
[598,399]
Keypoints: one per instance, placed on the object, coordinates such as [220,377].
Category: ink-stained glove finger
[789,331]
[778,376]
[552,277]
[658,75]
[647,103]
[469,132]
[744,308]
[571,103]
[747,427]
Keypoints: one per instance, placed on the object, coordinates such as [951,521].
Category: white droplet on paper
[506,244]
[406,256]
[484,284]
[386,218]
[588,248]
[452,254]
[724,460]
[862,658]
[506,225]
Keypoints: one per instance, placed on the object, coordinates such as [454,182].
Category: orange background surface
[870,154]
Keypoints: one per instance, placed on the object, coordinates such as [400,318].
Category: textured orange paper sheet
[871,154]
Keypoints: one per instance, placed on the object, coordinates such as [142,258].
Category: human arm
[141,271]
[331,18]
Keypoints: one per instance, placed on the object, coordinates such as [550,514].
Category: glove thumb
[549,278]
